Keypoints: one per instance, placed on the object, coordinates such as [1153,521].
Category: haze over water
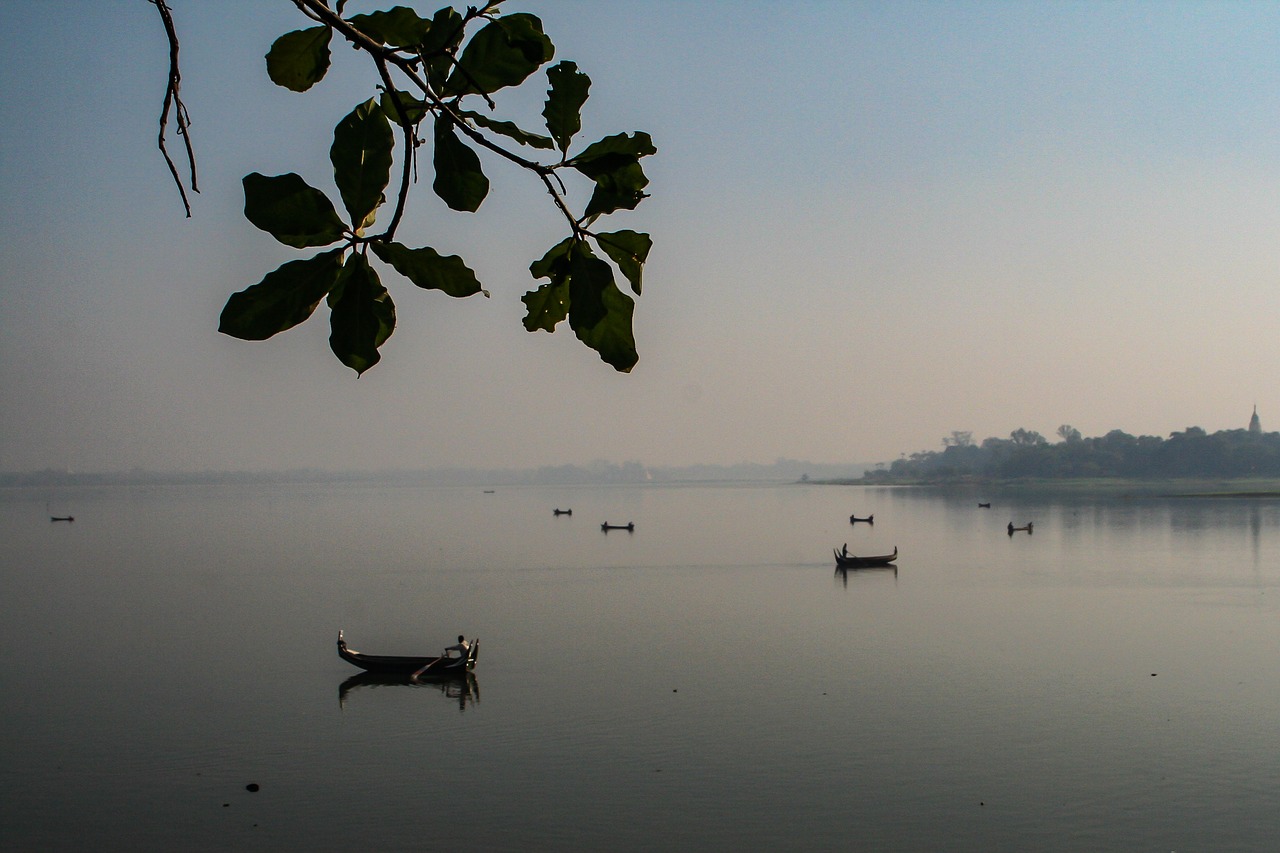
[706,682]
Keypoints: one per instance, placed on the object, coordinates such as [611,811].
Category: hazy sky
[874,223]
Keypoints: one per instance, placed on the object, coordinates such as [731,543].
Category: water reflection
[462,689]
[843,573]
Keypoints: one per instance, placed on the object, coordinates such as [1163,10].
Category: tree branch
[173,104]
[384,56]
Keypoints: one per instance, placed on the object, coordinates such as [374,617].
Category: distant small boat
[629,527]
[850,561]
[1028,527]
[563,511]
[62,518]
[488,491]
[984,506]
[870,519]
[425,666]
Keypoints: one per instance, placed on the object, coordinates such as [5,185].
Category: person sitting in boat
[844,552]
[462,647]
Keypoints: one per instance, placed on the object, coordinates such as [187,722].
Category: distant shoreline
[1252,488]
[593,473]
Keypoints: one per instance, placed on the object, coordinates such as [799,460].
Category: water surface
[706,682]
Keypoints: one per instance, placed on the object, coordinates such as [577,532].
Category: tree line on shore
[1027,454]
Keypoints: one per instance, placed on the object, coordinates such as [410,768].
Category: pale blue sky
[874,223]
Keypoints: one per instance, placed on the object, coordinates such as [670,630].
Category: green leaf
[582,289]
[614,164]
[442,41]
[589,277]
[613,337]
[509,130]
[555,263]
[282,300]
[414,110]
[613,153]
[599,313]
[427,268]
[361,157]
[629,250]
[502,53]
[398,26]
[547,306]
[291,211]
[362,315]
[298,60]
[460,182]
[622,189]
[563,110]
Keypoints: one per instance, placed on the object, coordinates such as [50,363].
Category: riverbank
[1247,488]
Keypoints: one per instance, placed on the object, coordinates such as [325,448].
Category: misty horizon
[965,217]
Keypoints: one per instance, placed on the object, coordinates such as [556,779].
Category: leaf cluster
[430,71]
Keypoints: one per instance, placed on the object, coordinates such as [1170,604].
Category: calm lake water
[708,682]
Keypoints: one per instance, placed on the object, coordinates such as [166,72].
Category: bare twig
[173,104]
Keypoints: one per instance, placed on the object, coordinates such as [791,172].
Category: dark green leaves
[503,53]
[582,289]
[612,337]
[398,26]
[282,300]
[427,268]
[613,153]
[629,250]
[291,211]
[426,70]
[614,164]
[361,157]
[361,315]
[563,110]
[437,49]
[298,60]
[549,304]
[509,130]
[413,110]
[459,180]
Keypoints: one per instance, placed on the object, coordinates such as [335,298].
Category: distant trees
[1025,453]
[1068,433]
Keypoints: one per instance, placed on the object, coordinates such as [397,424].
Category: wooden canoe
[426,666]
[851,561]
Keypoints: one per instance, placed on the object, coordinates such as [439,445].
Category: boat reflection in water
[843,573]
[461,687]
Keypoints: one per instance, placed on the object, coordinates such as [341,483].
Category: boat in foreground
[851,561]
[426,666]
